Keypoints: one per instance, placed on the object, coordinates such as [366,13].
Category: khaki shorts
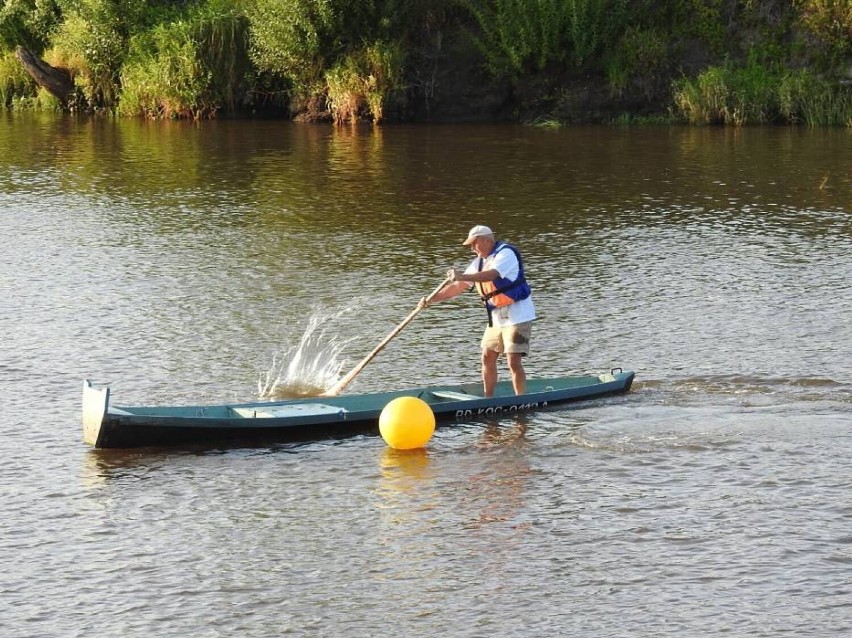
[513,339]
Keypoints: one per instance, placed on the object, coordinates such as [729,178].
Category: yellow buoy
[407,423]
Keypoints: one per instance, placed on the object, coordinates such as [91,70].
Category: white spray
[310,366]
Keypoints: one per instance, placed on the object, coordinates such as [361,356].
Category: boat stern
[620,379]
[95,405]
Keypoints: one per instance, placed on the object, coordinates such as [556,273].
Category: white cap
[477,231]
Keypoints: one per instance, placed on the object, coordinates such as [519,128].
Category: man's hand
[454,274]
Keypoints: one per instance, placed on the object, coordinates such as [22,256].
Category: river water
[179,262]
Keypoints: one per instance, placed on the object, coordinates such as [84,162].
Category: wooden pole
[345,381]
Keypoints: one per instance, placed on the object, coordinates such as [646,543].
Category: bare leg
[519,375]
[489,371]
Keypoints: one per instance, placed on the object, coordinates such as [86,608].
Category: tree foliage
[28,23]
[196,58]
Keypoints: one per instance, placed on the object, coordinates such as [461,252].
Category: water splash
[310,366]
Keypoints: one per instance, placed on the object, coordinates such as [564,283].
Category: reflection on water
[101,465]
[497,491]
[402,470]
[491,489]
[504,432]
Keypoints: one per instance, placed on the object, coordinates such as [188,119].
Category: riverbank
[550,62]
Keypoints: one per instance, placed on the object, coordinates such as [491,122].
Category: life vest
[501,291]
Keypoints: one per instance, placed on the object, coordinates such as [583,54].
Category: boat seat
[454,396]
[278,411]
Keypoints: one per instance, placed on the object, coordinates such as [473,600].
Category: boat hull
[105,426]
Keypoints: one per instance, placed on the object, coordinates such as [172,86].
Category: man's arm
[451,290]
[486,275]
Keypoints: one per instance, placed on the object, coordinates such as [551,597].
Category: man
[498,275]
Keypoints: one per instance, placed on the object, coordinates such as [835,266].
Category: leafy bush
[319,47]
[293,38]
[700,19]
[91,42]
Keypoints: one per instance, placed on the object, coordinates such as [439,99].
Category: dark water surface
[175,261]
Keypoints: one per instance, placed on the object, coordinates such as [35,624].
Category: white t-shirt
[506,263]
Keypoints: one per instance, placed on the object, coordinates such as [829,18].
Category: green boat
[107,426]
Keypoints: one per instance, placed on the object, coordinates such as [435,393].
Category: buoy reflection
[402,469]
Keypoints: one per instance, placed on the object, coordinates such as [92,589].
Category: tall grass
[358,86]
[806,98]
[729,95]
[222,39]
[163,77]
[754,94]
[188,67]
[15,82]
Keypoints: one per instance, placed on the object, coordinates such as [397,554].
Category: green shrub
[91,42]
[319,47]
[43,101]
[292,38]
[699,19]
[189,65]
[46,101]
